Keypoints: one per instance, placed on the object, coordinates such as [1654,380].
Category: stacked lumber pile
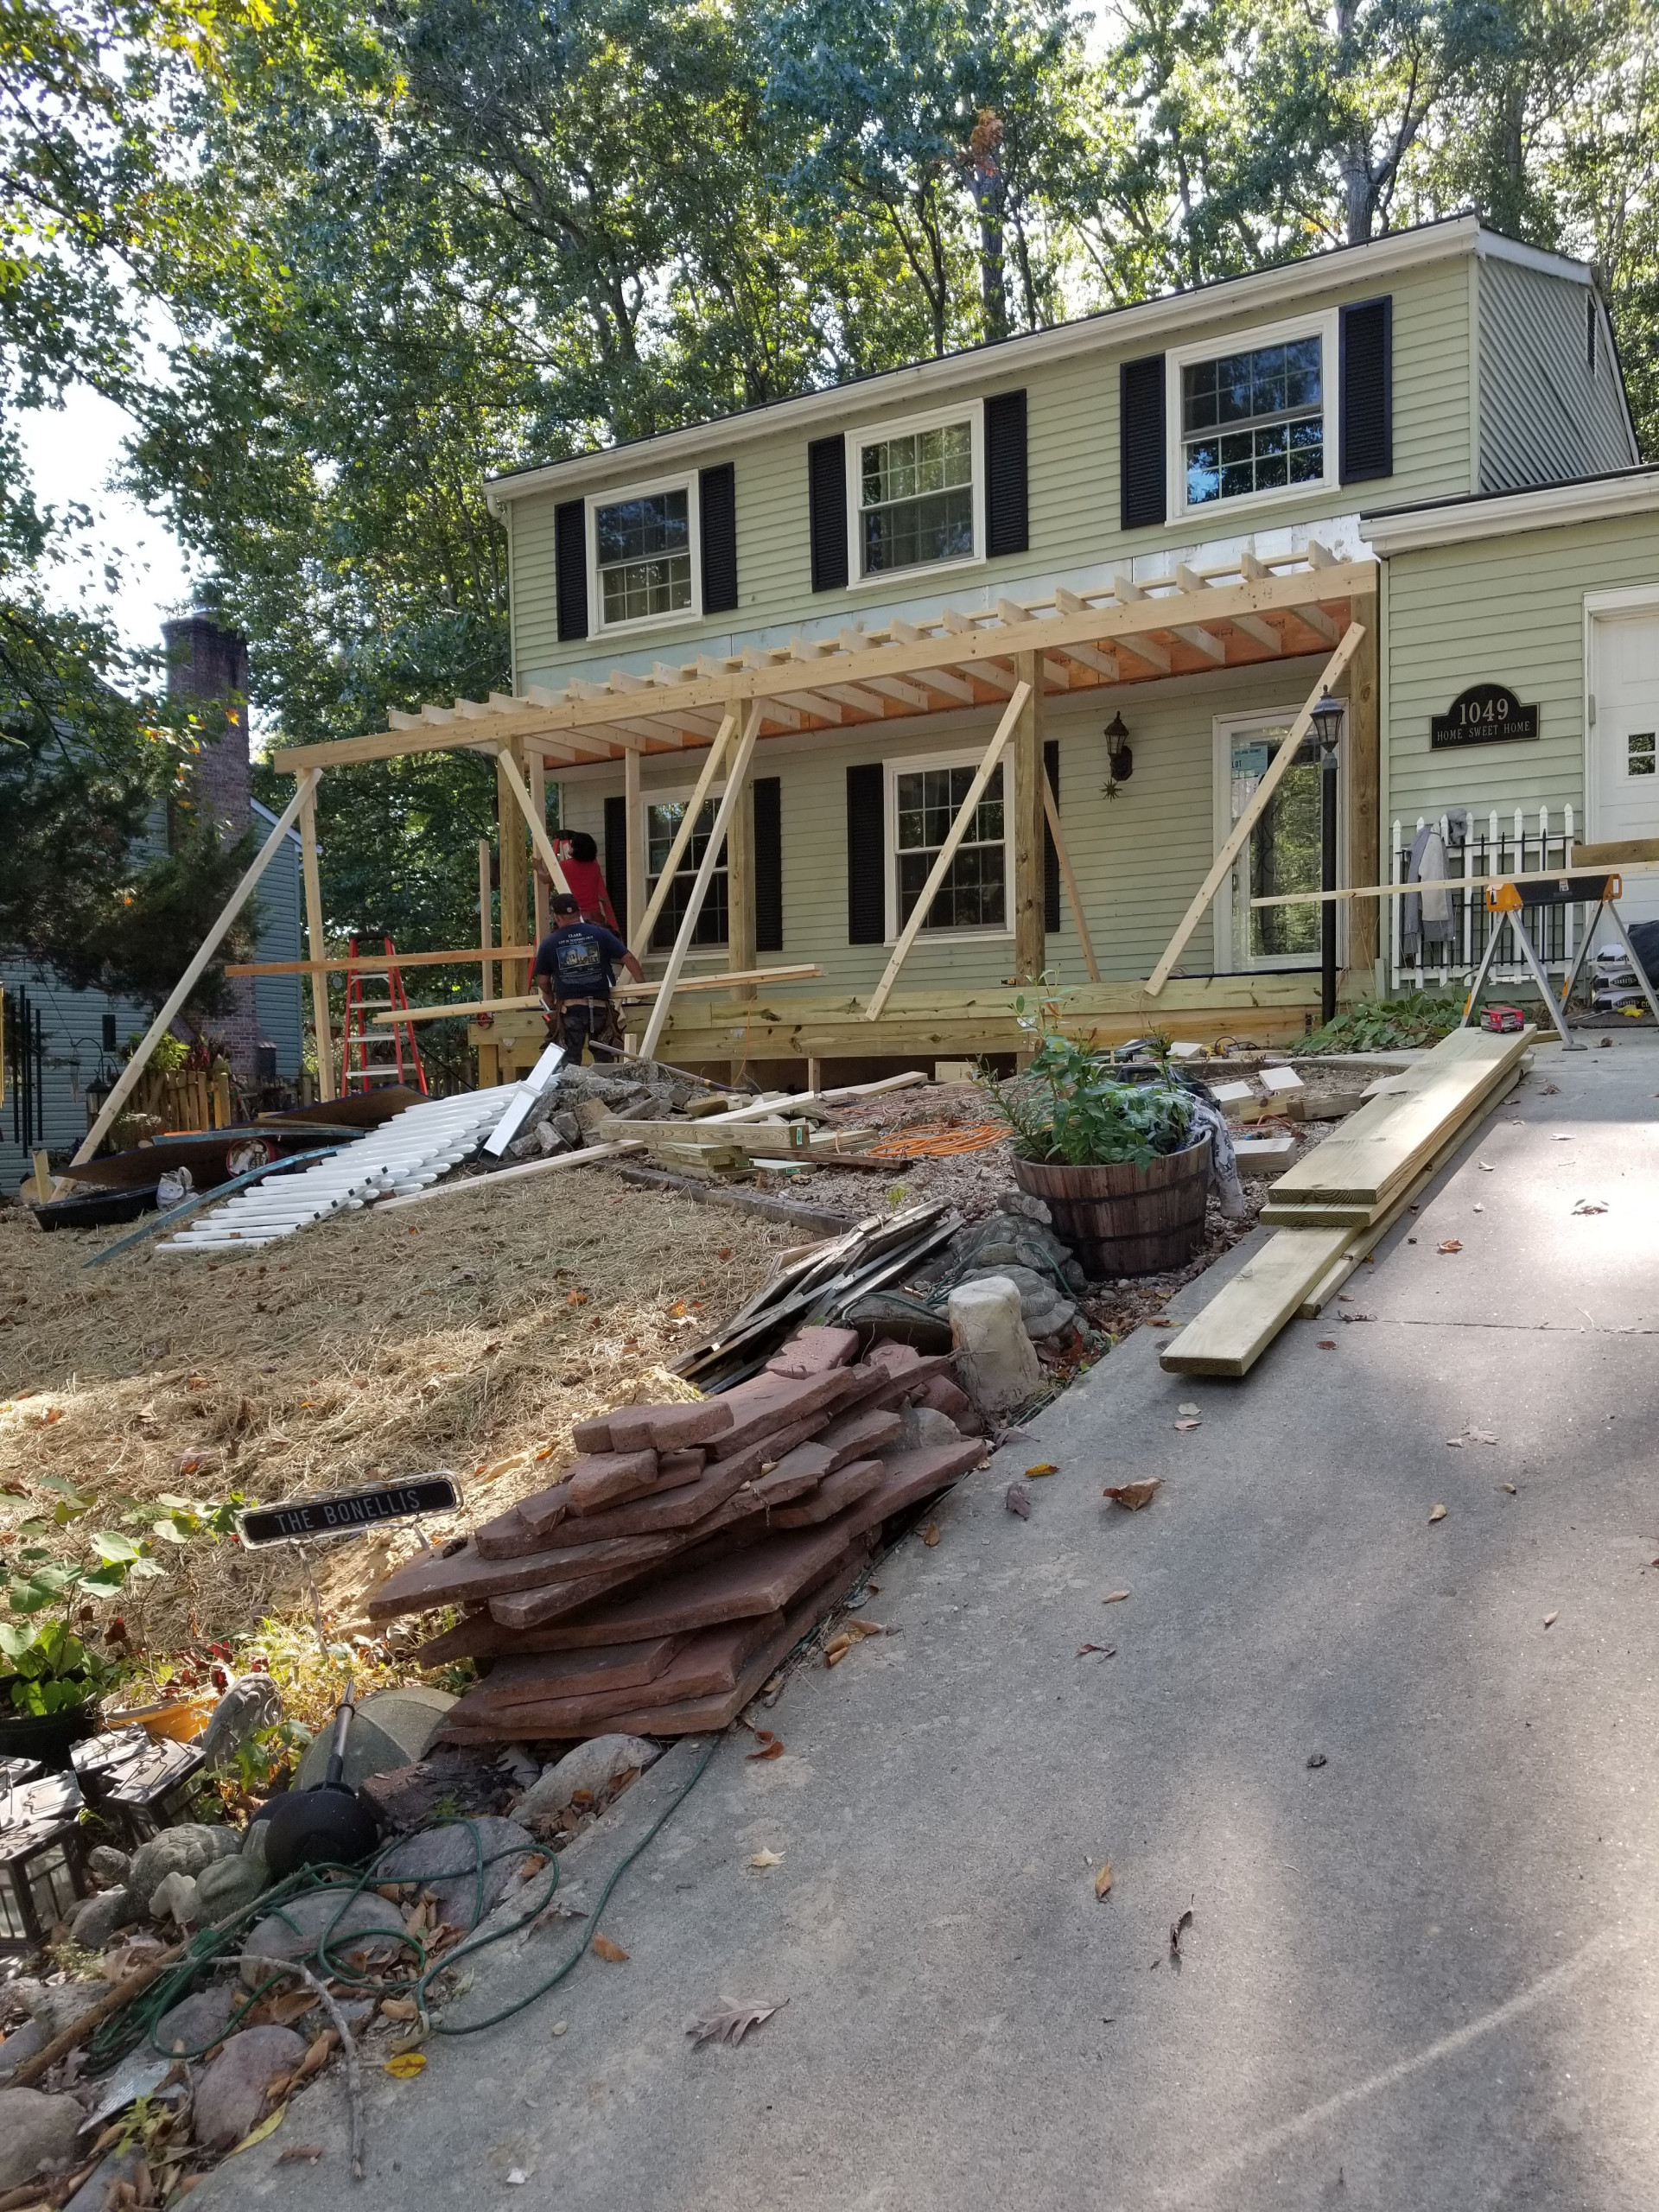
[685,1554]
[1342,1198]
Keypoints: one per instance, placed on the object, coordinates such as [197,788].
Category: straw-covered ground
[469,1334]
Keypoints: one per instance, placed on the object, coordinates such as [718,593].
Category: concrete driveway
[1421,1976]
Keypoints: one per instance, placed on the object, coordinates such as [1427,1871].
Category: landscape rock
[589,1767]
[22,2042]
[251,1702]
[994,1360]
[446,1861]
[199,2021]
[94,2193]
[229,1884]
[924,1425]
[57,2006]
[231,2095]
[36,2131]
[365,1923]
[108,1867]
[96,1920]
[175,1898]
[183,1850]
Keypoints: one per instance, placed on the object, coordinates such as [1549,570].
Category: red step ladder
[363,1061]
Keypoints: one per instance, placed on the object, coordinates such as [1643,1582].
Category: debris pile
[658,1585]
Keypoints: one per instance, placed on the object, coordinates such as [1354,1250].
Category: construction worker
[574,968]
[586,879]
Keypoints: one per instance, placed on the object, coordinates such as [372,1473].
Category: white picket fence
[1498,847]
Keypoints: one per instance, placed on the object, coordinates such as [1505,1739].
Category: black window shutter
[717,509]
[826,472]
[1007,527]
[1142,467]
[570,558]
[616,856]
[1051,858]
[768,864]
[1365,447]
[866,857]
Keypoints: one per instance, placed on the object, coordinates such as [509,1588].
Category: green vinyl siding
[1072,416]
[1507,611]
[1545,415]
[1138,858]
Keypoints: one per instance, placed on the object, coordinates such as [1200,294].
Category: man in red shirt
[587,882]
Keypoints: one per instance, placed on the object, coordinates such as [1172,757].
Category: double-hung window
[663,820]
[923,797]
[643,555]
[1254,419]
[917,495]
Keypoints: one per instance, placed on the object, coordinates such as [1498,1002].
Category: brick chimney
[208,664]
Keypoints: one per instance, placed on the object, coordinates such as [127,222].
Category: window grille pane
[663,820]
[644,553]
[1253,421]
[974,894]
[917,499]
[1640,752]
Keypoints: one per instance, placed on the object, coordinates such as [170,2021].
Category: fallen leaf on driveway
[1017,1498]
[295,2152]
[1510,1488]
[732,2022]
[771,1747]
[1327,1344]
[836,1649]
[1043,1467]
[1356,1316]
[1192,1421]
[1454,1444]
[1113,1596]
[603,1948]
[1103,1882]
[1484,1166]
[1177,1929]
[406,2064]
[767,1859]
[1133,1496]
[1550,1619]
[1316,1758]
[268,2125]
[397,2008]
[1155,1323]
[1480,1436]
[1437,1513]
[1590,1205]
[930,1533]
[1186,1408]
[1450,1244]
[1108,1651]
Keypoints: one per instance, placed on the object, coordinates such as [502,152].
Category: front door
[1625,744]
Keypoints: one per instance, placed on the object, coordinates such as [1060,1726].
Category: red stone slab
[768,1402]
[627,1667]
[861,1435]
[797,1472]
[601,1478]
[669,1428]
[704,1665]
[855,1480]
[908,1477]
[814,1352]
[465,1577]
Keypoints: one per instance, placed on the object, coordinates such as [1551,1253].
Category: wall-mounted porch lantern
[1120,761]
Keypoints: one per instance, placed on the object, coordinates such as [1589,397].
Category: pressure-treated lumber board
[1367,1239]
[1386,1144]
[1246,1314]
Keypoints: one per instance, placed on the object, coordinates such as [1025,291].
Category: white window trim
[908,765]
[972,413]
[1231,958]
[1325,327]
[686,482]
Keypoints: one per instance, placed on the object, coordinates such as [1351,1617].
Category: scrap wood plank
[1246,1314]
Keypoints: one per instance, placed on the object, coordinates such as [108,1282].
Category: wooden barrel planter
[1126,1220]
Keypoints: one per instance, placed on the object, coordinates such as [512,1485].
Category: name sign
[1486,713]
[349,1510]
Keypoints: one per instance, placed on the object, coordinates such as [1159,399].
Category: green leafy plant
[1385,1026]
[1072,1109]
[51,1669]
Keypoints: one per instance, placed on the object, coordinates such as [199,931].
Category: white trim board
[1142,322]
[1551,506]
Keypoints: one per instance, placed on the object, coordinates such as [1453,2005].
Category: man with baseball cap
[574,968]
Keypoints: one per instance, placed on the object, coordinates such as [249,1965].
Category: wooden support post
[1073,895]
[1364,769]
[639,944]
[536,777]
[634,810]
[736,783]
[1290,745]
[129,1077]
[740,949]
[1025,823]
[947,851]
[486,921]
[509,778]
[513,875]
[315,946]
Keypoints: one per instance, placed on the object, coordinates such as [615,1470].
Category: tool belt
[608,1030]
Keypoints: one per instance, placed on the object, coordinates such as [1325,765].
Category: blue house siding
[277,999]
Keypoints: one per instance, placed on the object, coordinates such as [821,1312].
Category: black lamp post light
[1120,761]
[1327,728]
